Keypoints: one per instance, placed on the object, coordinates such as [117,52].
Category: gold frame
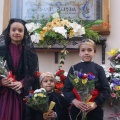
[102,30]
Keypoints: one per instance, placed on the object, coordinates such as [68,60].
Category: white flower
[118,50]
[65,73]
[42,90]
[117,66]
[32,26]
[61,30]
[116,74]
[35,95]
[108,74]
[37,91]
[57,78]
[78,29]
[111,86]
[35,38]
[55,15]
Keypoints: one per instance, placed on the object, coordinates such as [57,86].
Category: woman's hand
[6,82]
[16,85]
[81,105]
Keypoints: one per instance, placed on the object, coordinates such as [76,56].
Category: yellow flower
[113,52]
[71,33]
[40,95]
[49,26]
[118,88]
[65,22]
[76,80]
[43,32]
[84,81]
[56,22]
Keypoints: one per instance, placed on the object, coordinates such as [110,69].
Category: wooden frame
[6,13]
[104,30]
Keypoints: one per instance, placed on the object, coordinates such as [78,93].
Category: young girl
[87,50]
[16,49]
[47,81]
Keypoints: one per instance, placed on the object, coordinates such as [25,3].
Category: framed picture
[70,9]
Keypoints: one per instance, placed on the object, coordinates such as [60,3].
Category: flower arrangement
[57,30]
[113,75]
[60,77]
[37,100]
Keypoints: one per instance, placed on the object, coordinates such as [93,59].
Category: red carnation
[60,72]
[84,76]
[31,91]
[62,77]
[59,85]
[37,74]
[111,70]
[90,73]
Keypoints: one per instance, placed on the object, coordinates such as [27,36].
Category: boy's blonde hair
[46,74]
[89,42]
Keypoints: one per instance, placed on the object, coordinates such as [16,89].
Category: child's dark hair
[89,42]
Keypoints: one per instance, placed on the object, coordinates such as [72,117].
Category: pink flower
[113,95]
[118,56]
[115,88]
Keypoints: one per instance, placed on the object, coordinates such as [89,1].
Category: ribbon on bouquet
[92,96]
[52,104]
[13,79]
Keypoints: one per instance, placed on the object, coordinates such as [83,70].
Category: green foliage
[91,34]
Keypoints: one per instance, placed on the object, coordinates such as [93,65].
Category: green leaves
[91,23]
[92,34]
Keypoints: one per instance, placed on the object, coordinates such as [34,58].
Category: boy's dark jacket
[61,108]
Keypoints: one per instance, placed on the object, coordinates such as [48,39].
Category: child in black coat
[60,110]
[87,50]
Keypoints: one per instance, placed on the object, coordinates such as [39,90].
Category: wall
[1,14]
[47,60]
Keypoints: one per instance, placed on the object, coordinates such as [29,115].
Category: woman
[16,49]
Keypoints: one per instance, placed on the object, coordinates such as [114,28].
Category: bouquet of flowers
[38,100]
[57,30]
[60,77]
[5,73]
[113,76]
[84,84]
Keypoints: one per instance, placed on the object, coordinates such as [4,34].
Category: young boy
[47,82]
[87,50]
